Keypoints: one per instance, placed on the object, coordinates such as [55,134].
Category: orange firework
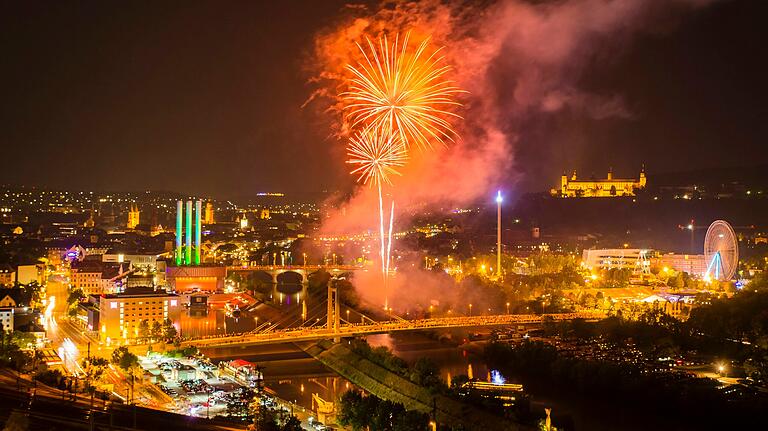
[402,92]
[376,156]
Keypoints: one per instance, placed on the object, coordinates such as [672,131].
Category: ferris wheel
[721,251]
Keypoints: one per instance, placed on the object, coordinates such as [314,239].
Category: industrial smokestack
[188,249]
[198,210]
[179,211]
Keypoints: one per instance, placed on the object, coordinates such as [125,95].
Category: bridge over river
[335,329]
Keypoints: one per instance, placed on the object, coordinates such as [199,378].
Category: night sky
[205,98]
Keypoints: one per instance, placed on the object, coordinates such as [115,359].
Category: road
[49,408]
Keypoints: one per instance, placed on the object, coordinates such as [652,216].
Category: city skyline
[208,100]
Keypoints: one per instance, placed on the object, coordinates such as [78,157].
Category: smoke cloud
[520,61]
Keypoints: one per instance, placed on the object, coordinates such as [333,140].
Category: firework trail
[402,92]
[402,99]
[376,157]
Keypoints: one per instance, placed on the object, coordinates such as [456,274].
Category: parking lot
[196,386]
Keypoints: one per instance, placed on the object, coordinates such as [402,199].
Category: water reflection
[300,390]
[451,360]
[232,316]
[198,322]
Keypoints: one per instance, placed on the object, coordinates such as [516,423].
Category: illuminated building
[264,215]
[209,214]
[694,264]
[26,274]
[188,279]
[242,221]
[188,254]
[608,187]
[134,217]
[6,319]
[121,314]
[633,259]
[7,275]
[95,278]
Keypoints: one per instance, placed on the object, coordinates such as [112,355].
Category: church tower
[134,216]
[208,219]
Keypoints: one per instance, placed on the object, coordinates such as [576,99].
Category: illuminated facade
[208,219]
[694,264]
[95,278]
[7,275]
[188,254]
[188,279]
[609,187]
[121,314]
[633,259]
[134,217]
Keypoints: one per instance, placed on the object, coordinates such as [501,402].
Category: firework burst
[402,92]
[376,156]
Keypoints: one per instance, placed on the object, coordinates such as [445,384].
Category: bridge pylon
[334,321]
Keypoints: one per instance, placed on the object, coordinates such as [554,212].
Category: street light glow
[499,199]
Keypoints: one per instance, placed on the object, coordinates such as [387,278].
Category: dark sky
[204,97]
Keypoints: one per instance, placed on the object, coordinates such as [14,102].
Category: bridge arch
[291,276]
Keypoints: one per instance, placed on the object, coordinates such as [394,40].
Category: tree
[10,349]
[263,419]
[144,329]
[355,410]
[292,424]
[679,281]
[124,359]
[169,331]
[156,331]
[75,296]
[73,299]
[425,373]
[94,368]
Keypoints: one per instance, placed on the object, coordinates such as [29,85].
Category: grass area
[390,386]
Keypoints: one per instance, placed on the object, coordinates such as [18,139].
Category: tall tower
[187,252]
[133,216]
[198,210]
[188,235]
[209,213]
[642,180]
[499,199]
[564,184]
[179,233]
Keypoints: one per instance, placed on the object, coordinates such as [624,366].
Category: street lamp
[499,199]
[470,309]
[507,307]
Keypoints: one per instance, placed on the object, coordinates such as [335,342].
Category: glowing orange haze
[519,61]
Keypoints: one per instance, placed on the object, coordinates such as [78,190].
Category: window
[113,304]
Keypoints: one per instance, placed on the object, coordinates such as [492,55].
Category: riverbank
[387,385]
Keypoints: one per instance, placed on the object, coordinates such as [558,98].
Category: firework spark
[376,156]
[402,92]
